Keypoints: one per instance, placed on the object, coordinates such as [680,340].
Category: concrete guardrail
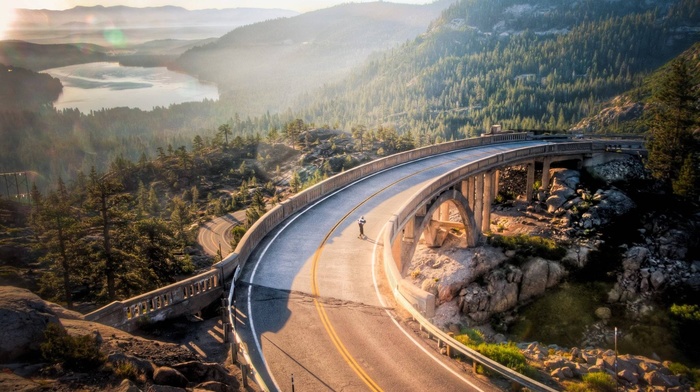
[417,301]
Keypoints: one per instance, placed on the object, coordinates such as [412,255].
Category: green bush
[237,234]
[594,382]
[505,354]
[686,312]
[508,355]
[72,352]
[679,369]
[470,338]
[531,246]
[682,370]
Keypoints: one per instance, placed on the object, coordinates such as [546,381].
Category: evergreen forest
[543,65]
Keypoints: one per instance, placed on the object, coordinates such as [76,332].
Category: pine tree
[256,209]
[686,185]
[225,131]
[295,182]
[59,233]
[673,118]
[105,199]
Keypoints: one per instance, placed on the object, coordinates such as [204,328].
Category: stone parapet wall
[193,294]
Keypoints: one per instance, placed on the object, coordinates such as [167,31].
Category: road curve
[217,233]
[312,304]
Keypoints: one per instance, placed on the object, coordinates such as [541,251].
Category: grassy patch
[506,354]
[531,246]
[126,369]
[593,382]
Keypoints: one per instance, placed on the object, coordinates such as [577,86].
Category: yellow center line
[316,292]
[324,316]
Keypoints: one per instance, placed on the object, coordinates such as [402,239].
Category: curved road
[216,233]
[312,304]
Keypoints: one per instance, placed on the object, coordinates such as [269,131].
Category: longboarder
[361,222]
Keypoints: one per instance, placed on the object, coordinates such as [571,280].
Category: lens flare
[115,37]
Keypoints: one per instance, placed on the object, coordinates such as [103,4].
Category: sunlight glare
[7,17]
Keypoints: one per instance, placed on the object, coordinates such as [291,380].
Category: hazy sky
[7,6]
[297,5]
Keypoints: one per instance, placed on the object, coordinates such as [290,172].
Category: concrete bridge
[467,182]
[471,189]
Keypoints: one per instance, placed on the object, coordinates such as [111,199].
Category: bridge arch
[425,224]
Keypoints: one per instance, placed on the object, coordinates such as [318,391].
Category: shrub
[126,369]
[678,369]
[531,246]
[72,352]
[686,312]
[508,355]
[595,382]
[505,354]
[470,338]
[682,370]
[237,234]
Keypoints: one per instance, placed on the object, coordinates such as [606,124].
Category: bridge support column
[409,231]
[468,187]
[464,190]
[478,200]
[431,234]
[530,182]
[545,172]
[444,212]
[496,182]
[488,198]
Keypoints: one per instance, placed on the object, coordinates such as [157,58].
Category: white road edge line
[262,255]
[384,305]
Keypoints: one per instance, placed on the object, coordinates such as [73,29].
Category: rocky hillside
[560,240]
[79,355]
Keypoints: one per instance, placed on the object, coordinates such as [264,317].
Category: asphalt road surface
[313,306]
[217,233]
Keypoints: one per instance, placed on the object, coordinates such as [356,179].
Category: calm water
[95,86]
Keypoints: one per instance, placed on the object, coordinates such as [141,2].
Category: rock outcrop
[25,317]
[579,210]
[624,169]
[631,371]
[505,287]
[159,365]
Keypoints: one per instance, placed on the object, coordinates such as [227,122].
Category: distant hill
[23,89]
[120,27]
[129,17]
[39,57]
[263,66]
[625,113]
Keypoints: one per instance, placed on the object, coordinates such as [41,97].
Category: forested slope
[628,112]
[547,65]
[38,57]
[543,65]
[22,88]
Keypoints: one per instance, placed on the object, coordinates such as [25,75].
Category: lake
[95,86]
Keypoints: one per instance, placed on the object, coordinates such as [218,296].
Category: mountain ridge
[315,48]
[124,16]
